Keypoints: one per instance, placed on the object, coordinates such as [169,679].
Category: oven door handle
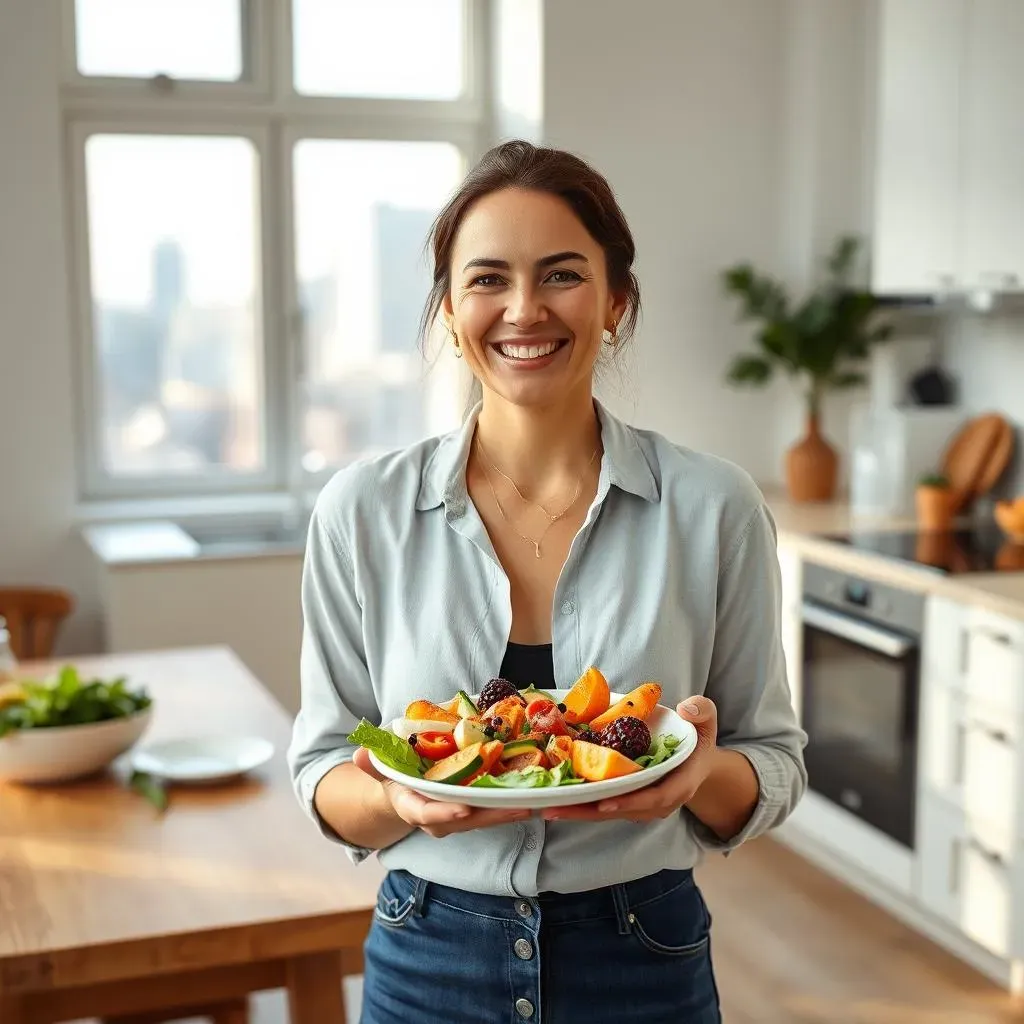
[873,637]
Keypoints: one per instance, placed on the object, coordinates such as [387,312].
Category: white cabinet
[949,154]
[993,145]
[916,246]
[970,807]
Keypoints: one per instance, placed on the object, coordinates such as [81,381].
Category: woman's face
[529,296]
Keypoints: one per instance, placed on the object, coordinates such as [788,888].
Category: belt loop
[621,901]
[419,896]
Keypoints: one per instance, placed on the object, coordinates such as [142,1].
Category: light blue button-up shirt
[673,577]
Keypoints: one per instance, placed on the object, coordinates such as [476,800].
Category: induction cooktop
[951,552]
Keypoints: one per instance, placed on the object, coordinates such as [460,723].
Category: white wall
[37,465]
[680,103]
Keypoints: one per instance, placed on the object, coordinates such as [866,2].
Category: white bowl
[661,720]
[68,751]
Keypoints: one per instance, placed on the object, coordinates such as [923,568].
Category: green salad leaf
[395,752]
[663,747]
[533,777]
[68,700]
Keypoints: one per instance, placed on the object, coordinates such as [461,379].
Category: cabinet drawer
[993,668]
[966,884]
[990,787]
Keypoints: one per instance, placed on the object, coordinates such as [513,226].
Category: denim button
[523,909]
[568,607]
[524,1007]
[523,949]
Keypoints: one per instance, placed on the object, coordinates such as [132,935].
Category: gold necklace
[529,501]
[551,519]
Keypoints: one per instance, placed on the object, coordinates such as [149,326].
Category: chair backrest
[33,616]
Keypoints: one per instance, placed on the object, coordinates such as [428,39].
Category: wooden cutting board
[977,456]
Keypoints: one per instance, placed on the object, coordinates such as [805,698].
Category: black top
[529,663]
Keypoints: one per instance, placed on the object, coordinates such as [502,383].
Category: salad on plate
[522,738]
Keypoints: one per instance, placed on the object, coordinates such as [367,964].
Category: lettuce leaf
[662,748]
[392,750]
[533,777]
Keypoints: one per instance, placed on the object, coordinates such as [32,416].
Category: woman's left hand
[667,795]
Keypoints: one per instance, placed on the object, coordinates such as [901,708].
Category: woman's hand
[437,818]
[668,794]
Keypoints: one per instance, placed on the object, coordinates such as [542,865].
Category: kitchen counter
[804,528]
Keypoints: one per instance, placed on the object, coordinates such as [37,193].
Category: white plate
[203,759]
[662,720]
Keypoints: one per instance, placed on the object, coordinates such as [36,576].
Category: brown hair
[519,164]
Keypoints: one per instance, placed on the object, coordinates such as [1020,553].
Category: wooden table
[107,907]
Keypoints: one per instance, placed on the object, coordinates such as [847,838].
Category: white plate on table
[661,720]
[203,759]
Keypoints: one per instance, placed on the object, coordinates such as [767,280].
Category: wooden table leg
[12,1011]
[315,993]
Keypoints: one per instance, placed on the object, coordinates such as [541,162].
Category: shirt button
[524,1008]
[568,607]
[531,842]
[523,909]
[523,949]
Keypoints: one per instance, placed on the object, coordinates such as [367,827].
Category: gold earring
[455,341]
[614,332]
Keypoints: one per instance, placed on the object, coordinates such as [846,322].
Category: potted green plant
[934,501]
[821,342]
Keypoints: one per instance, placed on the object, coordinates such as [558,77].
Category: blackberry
[628,735]
[495,690]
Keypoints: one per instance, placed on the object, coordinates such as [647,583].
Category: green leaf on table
[151,788]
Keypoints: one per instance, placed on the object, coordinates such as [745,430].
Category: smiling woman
[543,537]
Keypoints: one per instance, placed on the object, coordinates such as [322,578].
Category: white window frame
[263,108]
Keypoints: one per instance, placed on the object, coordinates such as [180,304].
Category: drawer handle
[990,855]
[994,635]
[992,733]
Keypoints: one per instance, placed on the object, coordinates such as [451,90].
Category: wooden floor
[793,946]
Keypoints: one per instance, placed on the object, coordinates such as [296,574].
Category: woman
[543,537]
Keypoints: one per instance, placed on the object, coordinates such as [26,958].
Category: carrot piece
[598,764]
[588,698]
[491,754]
[640,703]
[425,711]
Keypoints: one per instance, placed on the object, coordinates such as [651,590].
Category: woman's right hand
[437,818]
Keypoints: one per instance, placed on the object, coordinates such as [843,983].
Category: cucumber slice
[531,692]
[457,767]
[465,707]
[515,747]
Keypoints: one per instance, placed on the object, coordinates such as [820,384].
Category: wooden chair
[33,616]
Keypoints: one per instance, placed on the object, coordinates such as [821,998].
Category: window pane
[174,260]
[196,39]
[408,49]
[363,211]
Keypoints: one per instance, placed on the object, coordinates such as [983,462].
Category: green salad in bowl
[67,726]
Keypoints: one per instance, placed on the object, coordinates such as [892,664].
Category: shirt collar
[443,480]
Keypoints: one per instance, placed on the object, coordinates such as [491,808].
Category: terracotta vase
[812,465]
[934,507]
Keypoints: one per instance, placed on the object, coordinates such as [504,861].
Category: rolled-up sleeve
[336,691]
[749,685]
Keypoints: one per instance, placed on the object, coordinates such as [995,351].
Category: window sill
[156,531]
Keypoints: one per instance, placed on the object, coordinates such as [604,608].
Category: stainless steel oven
[861,678]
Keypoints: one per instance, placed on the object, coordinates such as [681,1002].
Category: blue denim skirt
[637,952]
